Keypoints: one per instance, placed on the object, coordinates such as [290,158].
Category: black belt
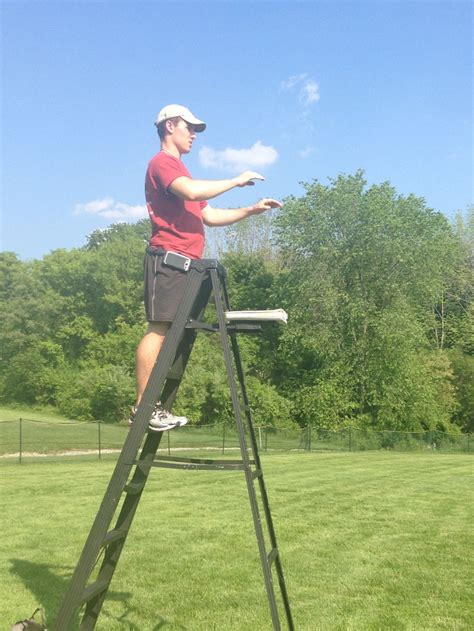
[202,265]
[155,251]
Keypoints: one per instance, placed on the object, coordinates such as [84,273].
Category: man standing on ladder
[178,209]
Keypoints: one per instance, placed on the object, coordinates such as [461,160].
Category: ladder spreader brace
[205,276]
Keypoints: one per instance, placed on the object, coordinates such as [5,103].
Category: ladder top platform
[268,315]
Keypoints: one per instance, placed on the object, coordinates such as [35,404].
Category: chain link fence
[27,438]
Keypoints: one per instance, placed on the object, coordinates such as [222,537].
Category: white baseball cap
[170,111]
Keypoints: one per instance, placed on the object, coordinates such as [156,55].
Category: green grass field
[368,541]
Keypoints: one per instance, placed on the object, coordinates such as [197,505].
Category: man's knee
[157,328]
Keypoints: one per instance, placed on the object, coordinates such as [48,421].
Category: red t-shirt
[176,224]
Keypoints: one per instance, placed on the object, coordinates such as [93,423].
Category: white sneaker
[161,420]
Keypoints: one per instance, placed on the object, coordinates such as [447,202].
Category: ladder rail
[125,462]
[123,524]
[224,335]
[93,544]
[263,490]
[256,456]
[176,349]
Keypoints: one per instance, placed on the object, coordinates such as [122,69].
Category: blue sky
[295,90]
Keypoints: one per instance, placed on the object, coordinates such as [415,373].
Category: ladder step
[272,556]
[173,462]
[256,474]
[213,328]
[218,466]
[93,590]
[113,535]
[244,328]
[134,488]
[200,460]
[174,375]
[203,326]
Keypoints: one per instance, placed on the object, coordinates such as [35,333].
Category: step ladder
[138,456]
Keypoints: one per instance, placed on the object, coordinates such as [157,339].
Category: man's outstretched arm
[224,217]
[202,190]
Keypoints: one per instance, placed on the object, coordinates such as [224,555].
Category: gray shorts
[164,287]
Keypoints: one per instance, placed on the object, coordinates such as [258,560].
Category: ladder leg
[95,542]
[256,457]
[273,556]
[261,482]
[123,524]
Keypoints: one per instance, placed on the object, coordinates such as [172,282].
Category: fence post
[100,444]
[223,438]
[169,444]
[309,437]
[21,438]
[266,437]
[350,437]
[468,440]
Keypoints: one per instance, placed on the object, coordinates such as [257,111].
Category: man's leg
[164,288]
[147,352]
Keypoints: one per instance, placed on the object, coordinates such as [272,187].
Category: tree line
[378,288]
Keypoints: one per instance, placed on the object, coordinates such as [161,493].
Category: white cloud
[305,153]
[258,156]
[109,208]
[292,81]
[308,88]
[309,92]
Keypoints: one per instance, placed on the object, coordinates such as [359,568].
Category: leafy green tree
[34,374]
[252,236]
[362,276]
[96,393]
[461,292]
[28,312]
[463,377]
[269,407]
[378,287]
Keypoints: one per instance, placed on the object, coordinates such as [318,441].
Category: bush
[269,408]
[33,375]
[97,393]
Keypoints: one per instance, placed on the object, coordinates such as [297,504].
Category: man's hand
[246,178]
[267,203]
[225,217]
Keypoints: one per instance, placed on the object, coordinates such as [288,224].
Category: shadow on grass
[48,584]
